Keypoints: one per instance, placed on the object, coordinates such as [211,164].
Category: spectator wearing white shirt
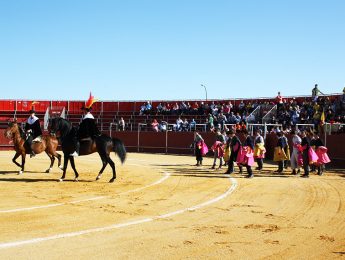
[122,124]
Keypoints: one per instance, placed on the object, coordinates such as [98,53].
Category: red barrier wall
[179,143]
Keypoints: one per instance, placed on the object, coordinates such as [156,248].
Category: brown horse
[48,144]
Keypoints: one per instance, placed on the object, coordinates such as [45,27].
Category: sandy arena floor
[163,207]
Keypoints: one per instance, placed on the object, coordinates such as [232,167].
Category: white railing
[253,115]
[269,115]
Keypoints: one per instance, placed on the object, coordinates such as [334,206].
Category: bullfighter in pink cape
[321,152]
[200,148]
[245,156]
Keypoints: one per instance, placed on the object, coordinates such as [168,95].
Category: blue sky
[150,49]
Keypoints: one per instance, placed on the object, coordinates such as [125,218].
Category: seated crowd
[217,114]
[316,111]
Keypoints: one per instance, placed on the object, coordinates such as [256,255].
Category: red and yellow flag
[322,118]
[90,101]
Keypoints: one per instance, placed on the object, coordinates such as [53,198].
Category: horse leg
[105,162]
[74,169]
[112,165]
[23,163]
[52,159]
[59,159]
[65,163]
[15,158]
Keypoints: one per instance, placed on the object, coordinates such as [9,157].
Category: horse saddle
[38,139]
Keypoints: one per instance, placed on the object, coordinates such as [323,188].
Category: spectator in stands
[168,109]
[155,125]
[315,93]
[201,108]
[142,109]
[329,115]
[210,123]
[183,108]
[206,108]
[294,115]
[243,126]
[33,131]
[213,105]
[342,101]
[163,126]
[227,108]
[221,119]
[192,125]
[238,118]
[232,118]
[316,119]
[159,108]
[214,109]
[241,106]
[195,108]
[244,117]
[178,125]
[175,109]
[188,109]
[185,125]
[122,124]
[148,107]
[279,99]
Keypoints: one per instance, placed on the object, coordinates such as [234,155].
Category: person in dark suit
[87,127]
[249,145]
[235,146]
[305,146]
[33,131]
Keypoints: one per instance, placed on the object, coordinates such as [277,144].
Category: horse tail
[119,148]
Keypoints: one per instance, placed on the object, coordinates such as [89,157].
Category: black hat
[85,108]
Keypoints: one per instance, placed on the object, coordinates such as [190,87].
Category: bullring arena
[163,207]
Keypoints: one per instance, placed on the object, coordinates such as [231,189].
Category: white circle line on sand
[166,176]
[233,186]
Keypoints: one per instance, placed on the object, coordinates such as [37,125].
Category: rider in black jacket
[33,130]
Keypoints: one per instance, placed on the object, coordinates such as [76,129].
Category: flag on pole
[323,118]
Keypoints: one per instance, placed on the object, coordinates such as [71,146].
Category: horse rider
[33,131]
[87,127]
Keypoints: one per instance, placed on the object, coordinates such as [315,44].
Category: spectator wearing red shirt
[279,99]
[155,125]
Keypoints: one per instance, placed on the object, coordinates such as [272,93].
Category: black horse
[102,144]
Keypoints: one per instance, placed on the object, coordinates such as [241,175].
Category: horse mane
[65,125]
[21,131]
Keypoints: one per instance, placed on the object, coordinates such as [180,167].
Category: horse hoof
[98,177]
[48,171]
[112,180]
[20,172]
[61,167]
[60,180]
[76,180]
